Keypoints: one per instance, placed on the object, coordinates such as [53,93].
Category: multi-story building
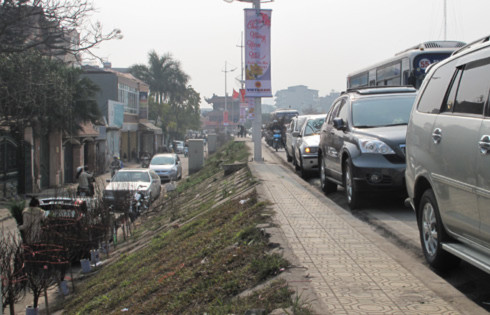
[123,101]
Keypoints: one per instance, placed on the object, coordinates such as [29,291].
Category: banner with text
[258,53]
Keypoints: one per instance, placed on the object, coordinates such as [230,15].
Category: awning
[148,126]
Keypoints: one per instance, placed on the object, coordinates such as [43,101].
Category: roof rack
[384,89]
[434,44]
[468,46]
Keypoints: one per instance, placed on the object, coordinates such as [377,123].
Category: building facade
[123,101]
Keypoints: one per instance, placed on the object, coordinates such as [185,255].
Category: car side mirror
[108,180]
[296,134]
[339,124]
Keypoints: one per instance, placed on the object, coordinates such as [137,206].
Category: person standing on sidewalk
[32,218]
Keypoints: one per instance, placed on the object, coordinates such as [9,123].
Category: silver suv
[448,159]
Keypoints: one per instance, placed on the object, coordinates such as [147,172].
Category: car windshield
[313,126]
[382,112]
[163,160]
[123,176]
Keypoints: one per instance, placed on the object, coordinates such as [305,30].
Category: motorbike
[138,204]
[145,162]
[276,138]
[85,192]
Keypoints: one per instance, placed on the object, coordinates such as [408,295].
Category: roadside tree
[172,103]
[44,94]
[54,27]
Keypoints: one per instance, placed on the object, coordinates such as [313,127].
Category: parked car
[168,166]
[123,187]
[178,146]
[448,158]
[362,143]
[306,148]
[295,125]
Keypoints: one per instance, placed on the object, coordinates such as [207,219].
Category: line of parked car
[432,144]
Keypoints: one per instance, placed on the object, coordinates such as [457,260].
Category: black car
[362,141]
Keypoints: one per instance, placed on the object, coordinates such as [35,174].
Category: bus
[406,67]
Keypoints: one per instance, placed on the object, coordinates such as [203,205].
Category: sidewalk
[349,268]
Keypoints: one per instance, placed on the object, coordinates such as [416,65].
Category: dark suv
[448,159]
[362,141]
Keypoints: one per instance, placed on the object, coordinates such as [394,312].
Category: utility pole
[445,19]
[242,82]
[257,122]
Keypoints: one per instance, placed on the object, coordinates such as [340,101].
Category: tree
[164,75]
[12,270]
[171,101]
[42,93]
[55,27]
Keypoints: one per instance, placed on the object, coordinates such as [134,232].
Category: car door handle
[437,135]
[484,144]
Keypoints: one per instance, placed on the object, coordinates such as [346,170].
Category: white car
[128,181]
[307,142]
[294,126]
[167,166]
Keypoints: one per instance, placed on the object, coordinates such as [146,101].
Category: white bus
[406,67]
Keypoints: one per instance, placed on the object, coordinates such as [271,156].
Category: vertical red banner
[225,118]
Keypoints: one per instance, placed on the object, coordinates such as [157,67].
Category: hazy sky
[313,42]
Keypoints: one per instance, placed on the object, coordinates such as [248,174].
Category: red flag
[235,94]
[242,95]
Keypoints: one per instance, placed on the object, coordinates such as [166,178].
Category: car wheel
[432,233]
[351,190]
[288,157]
[295,163]
[327,186]
[302,171]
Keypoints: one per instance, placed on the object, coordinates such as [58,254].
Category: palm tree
[164,75]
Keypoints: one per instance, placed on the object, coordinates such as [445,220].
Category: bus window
[372,77]
[390,74]
[406,67]
[359,80]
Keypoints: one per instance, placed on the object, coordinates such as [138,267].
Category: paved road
[397,223]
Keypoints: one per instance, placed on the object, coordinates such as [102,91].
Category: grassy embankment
[195,253]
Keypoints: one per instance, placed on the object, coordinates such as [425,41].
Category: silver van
[448,159]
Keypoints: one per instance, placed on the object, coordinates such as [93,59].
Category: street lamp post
[257,122]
